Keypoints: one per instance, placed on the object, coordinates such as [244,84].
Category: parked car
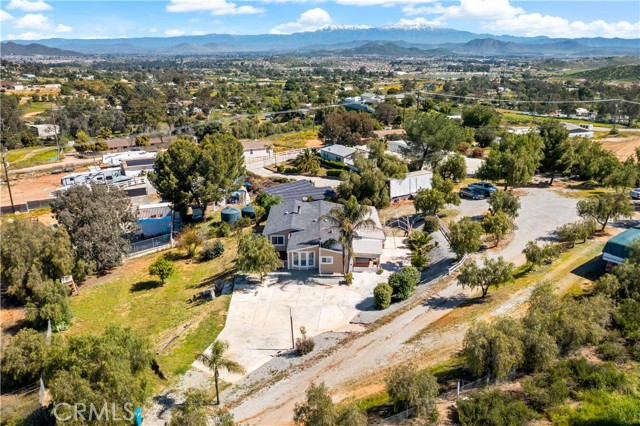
[485,187]
[635,193]
[473,193]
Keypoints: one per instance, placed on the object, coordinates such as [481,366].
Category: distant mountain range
[32,49]
[362,39]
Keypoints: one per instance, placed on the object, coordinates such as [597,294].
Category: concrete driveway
[258,324]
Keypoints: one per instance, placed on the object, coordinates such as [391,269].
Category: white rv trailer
[96,175]
[401,189]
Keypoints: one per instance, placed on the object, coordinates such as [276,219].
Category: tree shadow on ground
[439,302]
[145,285]
[365,305]
[211,281]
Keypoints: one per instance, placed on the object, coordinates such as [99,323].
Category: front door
[303,260]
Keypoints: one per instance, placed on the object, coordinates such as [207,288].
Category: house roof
[311,230]
[299,189]
[339,150]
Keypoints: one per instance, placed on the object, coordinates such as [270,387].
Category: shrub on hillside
[220,230]
[404,282]
[382,296]
[477,153]
[431,224]
[212,250]
[463,148]
[334,173]
[304,344]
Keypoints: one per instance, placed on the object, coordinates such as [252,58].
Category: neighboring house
[397,147]
[617,248]
[356,106]
[305,241]
[299,190]
[256,149]
[352,99]
[581,131]
[122,143]
[44,131]
[519,130]
[338,153]
[154,219]
[117,159]
[401,189]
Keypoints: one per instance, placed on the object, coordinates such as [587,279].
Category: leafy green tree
[390,165]
[317,410]
[624,176]
[558,151]
[498,225]
[386,113]
[536,255]
[420,244]
[352,415]
[430,201]
[592,161]
[91,369]
[382,296]
[189,240]
[429,136]
[215,360]
[195,410]
[504,201]
[573,232]
[404,281]
[32,253]
[348,220]
[454,168]
[81,138]
[105,133]
[346,128]
[494,273]
[484,120]
[412,388]
[198,173]
[162,268]
[514,160]
[369,185]
[142,140]
[266,201]
[49,301]
[494,350]
[11,122]
[308,161]
[256,255]
[605,207]
[465,236]
[23,357]
[98,219]
[496,408]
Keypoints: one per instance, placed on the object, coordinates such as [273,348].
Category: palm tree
[420,243]
[348,220]
[307,161]
[216,361]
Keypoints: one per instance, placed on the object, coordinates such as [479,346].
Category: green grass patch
[37,107]
[292,140]
[600,408]
[131,297]
[31,156]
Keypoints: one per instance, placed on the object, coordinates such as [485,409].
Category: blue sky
[37,19]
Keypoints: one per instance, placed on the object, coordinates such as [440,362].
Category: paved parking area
[258,324]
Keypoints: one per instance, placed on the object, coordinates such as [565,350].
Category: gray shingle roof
[300,188]
[340,150]
[304,218]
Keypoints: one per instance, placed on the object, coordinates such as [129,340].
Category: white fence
[457,264]
[150,244]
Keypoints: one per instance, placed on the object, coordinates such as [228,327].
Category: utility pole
[6,175]
[293,345]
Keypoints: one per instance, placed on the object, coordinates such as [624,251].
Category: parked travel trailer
[117,158]
[95,174]
[401,189]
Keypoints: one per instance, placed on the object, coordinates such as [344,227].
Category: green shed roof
[619,245]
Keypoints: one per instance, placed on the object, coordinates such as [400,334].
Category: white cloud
[535,24]
[4,16]
[381,2]
[198,33]
[29,6]
[216,7]
[310,20]
[36,21]
[174,33]
[153,30]
[61,28]
[29,35]
[501,16]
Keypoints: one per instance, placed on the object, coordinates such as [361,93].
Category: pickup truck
[473,193]
[485,187]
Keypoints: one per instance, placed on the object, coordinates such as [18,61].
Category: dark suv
[485,187]
[473,193]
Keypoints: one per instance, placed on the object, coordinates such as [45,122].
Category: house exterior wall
[333,268]
[285,234]
[256,153]
[331,157]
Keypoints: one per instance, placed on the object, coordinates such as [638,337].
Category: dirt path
[622,147]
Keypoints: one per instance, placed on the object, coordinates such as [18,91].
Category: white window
[277,240]
[304,259]
[327,260]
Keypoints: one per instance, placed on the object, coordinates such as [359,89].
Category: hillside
[391,49]
[616,72]
[11,48]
